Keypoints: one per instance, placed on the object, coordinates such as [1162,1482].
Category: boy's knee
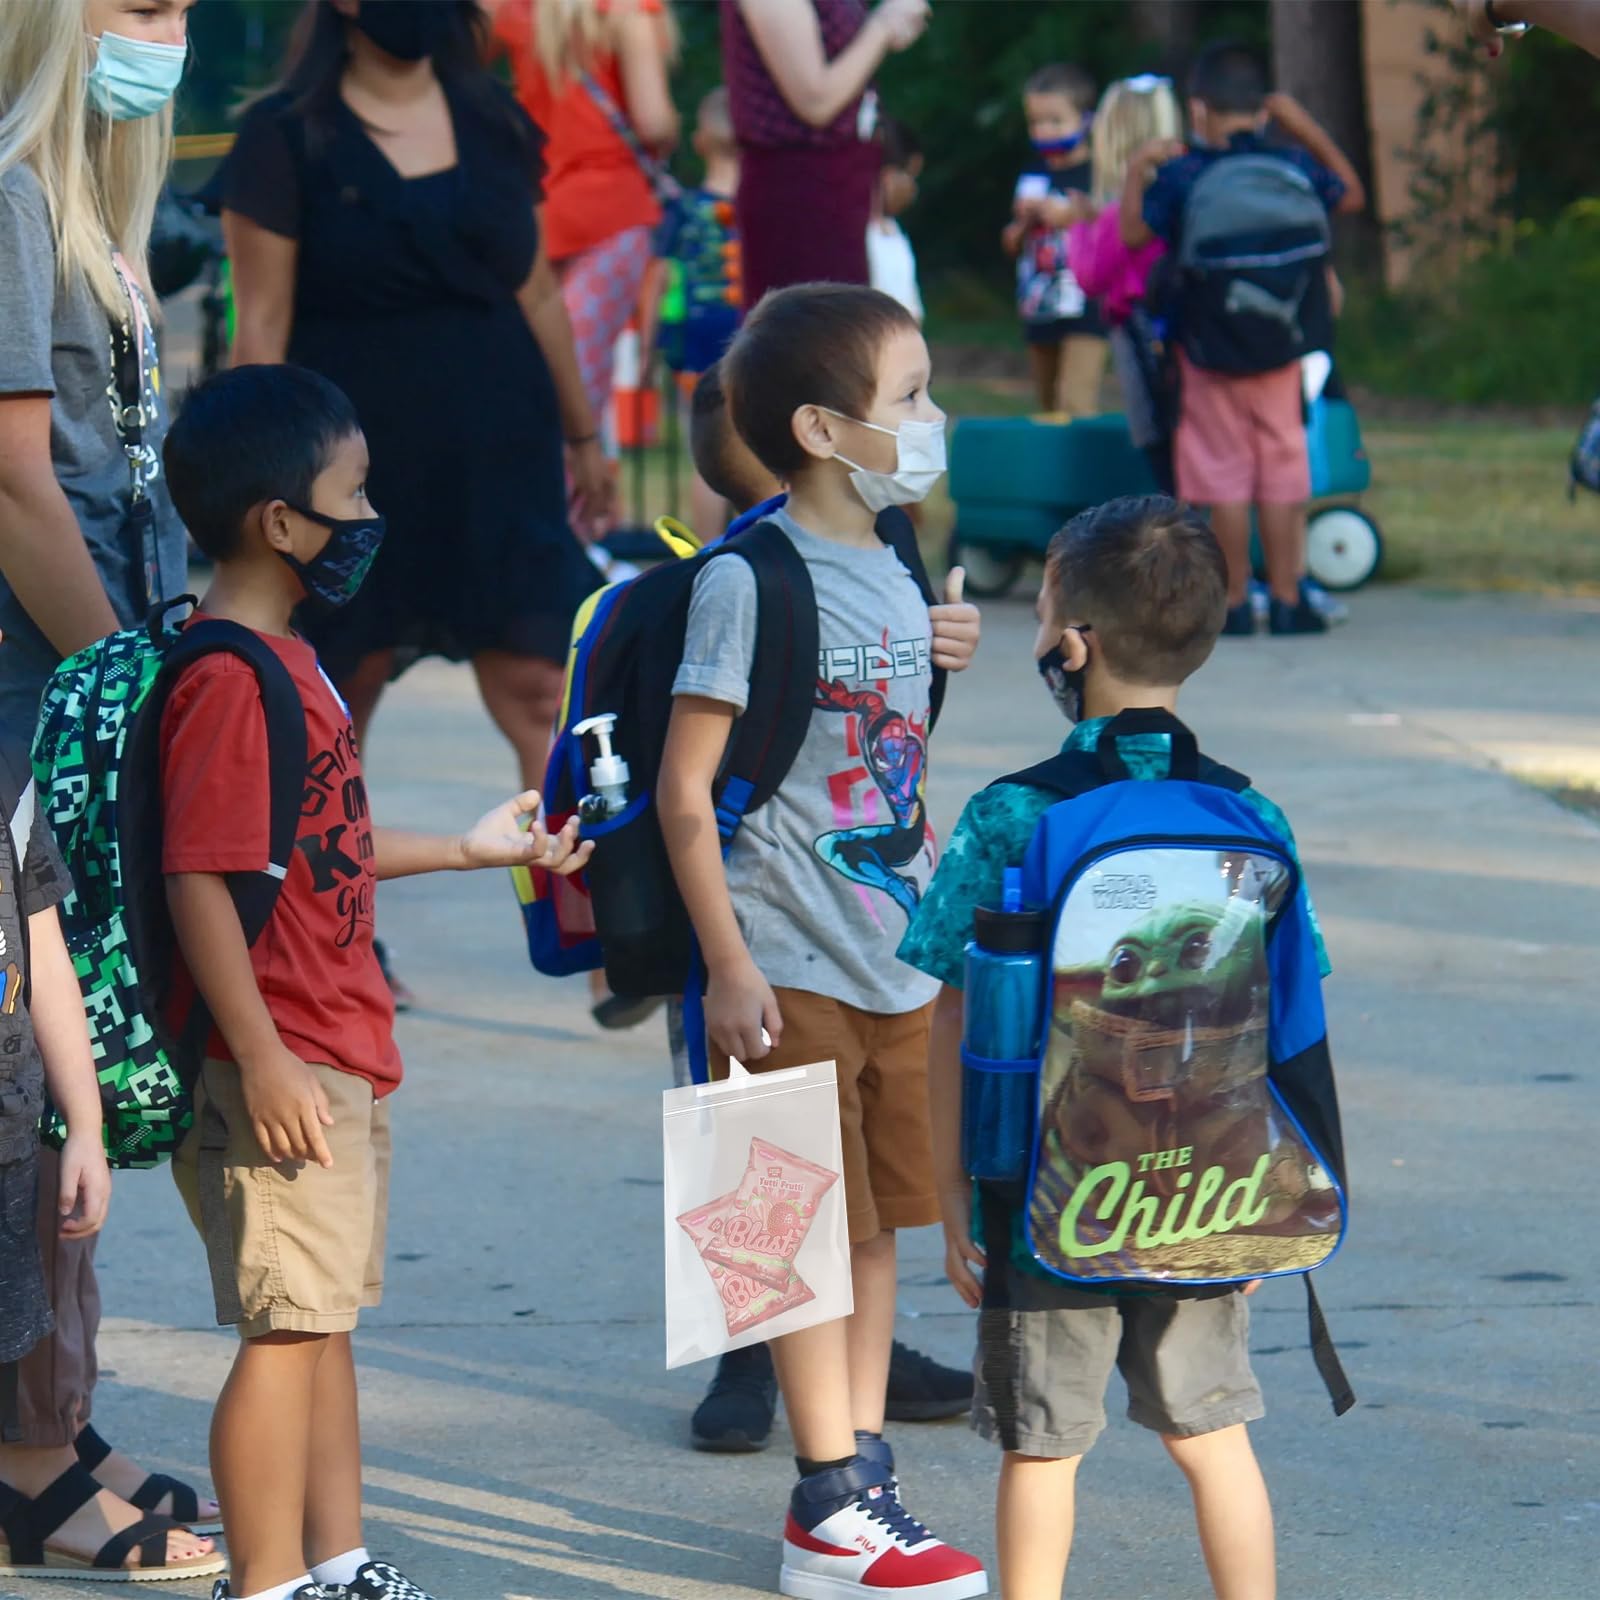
[1020,1460]
[1197,1449]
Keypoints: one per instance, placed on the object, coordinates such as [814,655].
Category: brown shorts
[883,1103]
[297,1247]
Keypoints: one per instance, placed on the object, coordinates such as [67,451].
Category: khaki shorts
[298,1247]
[1042,1375]
[883,1103]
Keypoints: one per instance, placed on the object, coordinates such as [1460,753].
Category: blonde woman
[593,75]
[88,542]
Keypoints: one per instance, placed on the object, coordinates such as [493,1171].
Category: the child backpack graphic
[97,771]
[1187,1129]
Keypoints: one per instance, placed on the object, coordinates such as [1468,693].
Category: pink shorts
[1242,440]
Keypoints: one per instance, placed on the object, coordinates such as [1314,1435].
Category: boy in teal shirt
[1133,600]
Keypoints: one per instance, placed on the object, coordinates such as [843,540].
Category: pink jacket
[1106,269]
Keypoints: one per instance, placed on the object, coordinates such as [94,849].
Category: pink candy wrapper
[748,1239]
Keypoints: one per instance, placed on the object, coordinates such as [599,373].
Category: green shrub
[1518,326]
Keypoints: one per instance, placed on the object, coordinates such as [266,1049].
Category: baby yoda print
[1161,1144]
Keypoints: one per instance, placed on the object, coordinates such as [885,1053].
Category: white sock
[282,1591]
[341,1569]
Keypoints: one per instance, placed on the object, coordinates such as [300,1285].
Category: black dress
[405,297]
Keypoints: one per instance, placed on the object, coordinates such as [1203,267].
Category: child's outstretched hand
[956,625]
[499,839]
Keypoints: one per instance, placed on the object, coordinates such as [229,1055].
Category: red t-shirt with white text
[315,962]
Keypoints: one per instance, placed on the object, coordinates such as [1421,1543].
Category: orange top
[593,186]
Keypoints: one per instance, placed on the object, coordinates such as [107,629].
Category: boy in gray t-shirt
[828,385]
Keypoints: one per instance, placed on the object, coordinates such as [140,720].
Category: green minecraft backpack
[97,772]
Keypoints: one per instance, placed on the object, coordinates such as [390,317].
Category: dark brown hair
[815,344]
[712,439]
[319,48]
[1148,576]
[1066,80]
[1229,79]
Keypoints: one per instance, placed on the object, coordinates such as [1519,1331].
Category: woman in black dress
[381,213]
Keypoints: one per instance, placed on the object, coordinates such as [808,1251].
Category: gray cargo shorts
[1042,1375]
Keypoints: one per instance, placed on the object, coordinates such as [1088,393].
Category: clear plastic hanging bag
[757,1239]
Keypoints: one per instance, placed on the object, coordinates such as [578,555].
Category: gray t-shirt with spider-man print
[826,876]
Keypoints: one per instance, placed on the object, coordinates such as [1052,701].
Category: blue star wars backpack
[1186,1128]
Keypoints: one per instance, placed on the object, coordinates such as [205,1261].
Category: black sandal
[92,1450]
[26,1524]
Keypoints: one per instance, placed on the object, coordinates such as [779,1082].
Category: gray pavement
[523,1439]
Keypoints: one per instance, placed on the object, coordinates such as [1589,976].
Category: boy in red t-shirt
[286,1170]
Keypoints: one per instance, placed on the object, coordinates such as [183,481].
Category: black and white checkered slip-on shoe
[377,1580]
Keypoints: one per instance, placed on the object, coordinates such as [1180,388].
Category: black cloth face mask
[408,30]
[1065,685]
[336,572]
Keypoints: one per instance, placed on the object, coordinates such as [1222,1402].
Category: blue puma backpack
[1187,1127]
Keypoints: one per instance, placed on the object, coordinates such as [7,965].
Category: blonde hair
[101,178]
[572,36]
[1133,112]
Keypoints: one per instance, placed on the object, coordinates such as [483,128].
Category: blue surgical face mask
[1065,146]
[134,78]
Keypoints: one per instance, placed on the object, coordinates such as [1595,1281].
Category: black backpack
[624,910]
[1252,259]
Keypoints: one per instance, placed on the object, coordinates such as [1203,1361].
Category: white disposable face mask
[919,451]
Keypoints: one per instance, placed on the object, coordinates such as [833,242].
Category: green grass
[1462,504]
[1483,505]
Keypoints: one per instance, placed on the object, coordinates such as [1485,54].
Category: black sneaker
[921,1390]
[404,998]
[619,1012]
[736,1415]
[375,1581]
[1241,621]
[1301,617]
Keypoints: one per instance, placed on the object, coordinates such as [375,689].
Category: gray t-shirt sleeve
[27,287]
[45,882]
[719,644]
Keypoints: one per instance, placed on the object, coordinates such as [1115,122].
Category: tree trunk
[1317,57]
[1170,28]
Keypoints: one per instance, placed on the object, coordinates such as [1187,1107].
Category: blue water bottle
[1000,1042]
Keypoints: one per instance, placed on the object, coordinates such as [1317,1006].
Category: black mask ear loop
[1065,683]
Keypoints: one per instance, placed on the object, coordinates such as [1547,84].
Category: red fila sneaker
[849,1538]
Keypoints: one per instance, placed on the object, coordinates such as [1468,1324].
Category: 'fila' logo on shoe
[862,1544]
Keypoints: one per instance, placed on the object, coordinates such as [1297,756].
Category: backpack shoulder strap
[1075,772]
[783,679]
[254,893]
[1221,777]
[898,531]
[1067,775]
